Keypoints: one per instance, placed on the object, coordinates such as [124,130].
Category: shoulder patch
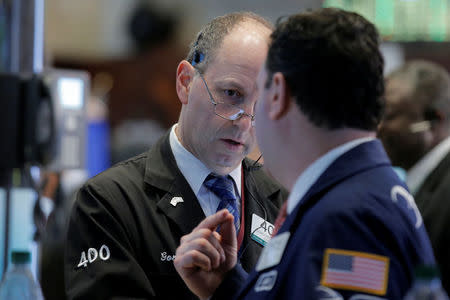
[356,271]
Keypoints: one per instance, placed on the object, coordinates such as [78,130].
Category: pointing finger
[215,220]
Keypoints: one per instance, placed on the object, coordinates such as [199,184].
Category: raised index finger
[215,220]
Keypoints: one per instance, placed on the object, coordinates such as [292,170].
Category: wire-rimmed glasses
[227,111]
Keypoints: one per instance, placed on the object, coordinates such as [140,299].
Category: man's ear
[280,99]
[185,74]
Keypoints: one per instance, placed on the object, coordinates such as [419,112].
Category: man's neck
[307,150]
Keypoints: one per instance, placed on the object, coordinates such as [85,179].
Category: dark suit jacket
[433,201]
[357,209]
[123,230]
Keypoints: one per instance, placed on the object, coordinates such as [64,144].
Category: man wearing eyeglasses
[127,222]
[416,134]
[351,229]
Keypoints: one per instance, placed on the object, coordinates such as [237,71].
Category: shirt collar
[193,169]
[420,171]
[317,168]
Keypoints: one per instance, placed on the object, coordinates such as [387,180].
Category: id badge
[261,230]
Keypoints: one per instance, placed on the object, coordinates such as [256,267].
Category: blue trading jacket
[356,234]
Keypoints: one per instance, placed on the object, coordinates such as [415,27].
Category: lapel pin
[176,200]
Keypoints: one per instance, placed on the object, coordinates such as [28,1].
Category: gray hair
[203,49]
[429,83]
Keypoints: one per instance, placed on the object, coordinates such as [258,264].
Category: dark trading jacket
[432,199]
[357,209]
[123,230]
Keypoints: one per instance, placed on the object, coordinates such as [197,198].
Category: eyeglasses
[227,111]
[420,126]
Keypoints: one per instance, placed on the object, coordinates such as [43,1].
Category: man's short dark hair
[333,67]
[429,84]
[203,49]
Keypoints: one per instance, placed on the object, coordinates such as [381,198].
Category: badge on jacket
[261,230]
[273,252]
[266,281]
[176,200]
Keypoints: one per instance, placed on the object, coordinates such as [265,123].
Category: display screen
[71,92]
[4,41]
[403,20]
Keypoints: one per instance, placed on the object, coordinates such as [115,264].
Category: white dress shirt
[420,171]
[313,172]
[196,172]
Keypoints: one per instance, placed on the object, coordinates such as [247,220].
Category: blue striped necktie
[223,187]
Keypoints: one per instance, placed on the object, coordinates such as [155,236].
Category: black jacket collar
[162,172]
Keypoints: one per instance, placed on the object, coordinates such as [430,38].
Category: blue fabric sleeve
[232,284]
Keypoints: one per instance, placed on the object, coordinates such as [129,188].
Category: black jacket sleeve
[100,262]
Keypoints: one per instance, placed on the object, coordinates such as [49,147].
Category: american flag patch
[357,271]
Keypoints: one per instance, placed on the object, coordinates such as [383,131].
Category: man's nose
[244,122]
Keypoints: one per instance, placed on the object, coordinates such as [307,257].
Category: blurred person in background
[415,133]
[351,229]
[134,136]
[127,222]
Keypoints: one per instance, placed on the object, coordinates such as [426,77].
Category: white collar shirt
[196,172]
[305,181]
[419,172]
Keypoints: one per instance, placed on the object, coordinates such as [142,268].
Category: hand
[205,256]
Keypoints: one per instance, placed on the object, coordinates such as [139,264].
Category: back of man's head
[428,84]
[204,48]
[333,67]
